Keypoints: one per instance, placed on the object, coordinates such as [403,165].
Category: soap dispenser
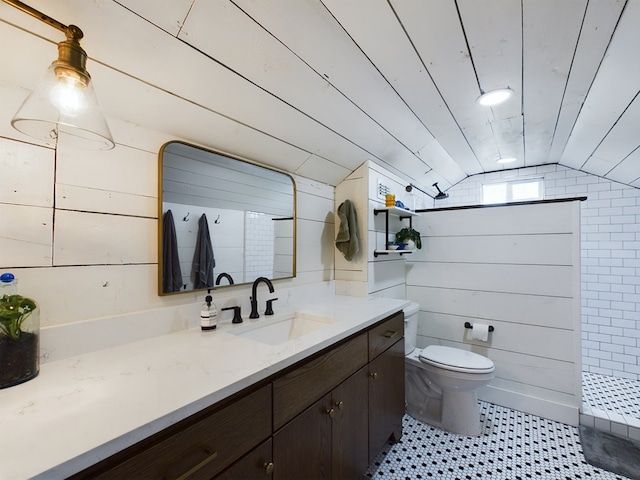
[208,314]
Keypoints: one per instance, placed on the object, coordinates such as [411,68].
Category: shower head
[441,195]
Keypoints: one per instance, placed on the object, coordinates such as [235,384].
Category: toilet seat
[456,359]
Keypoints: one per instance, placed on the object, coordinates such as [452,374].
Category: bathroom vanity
[324,417]
[319,406]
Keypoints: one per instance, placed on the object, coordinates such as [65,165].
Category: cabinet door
[255,465]
[350,427]
[300,387]
[386,398]
[302,448]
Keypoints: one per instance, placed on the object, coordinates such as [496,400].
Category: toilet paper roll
[480,332]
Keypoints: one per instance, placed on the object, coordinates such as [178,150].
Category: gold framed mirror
[222,220]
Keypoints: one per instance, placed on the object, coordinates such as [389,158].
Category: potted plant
[409,234]
[19,340]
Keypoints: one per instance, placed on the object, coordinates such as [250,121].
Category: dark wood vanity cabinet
[329,439]
[255,465]
[349,427]
[325,417]
[318,442]
[386,384]
[346,428]
[199,447]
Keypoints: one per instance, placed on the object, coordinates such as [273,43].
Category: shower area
[610,335]
[610,264]
[611,398]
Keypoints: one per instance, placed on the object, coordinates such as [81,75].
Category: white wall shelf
[402,214]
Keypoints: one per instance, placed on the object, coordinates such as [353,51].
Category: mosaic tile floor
[513,446]
[612,394]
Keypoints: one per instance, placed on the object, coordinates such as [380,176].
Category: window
[513,191]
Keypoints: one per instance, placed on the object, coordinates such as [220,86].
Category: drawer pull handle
[268,468]
[373,375]
[212,454]
[331,412]
[340,405]
[390,334]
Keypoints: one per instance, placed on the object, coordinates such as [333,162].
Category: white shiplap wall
[382,276]
[610,251]
[79,230]
[478,265]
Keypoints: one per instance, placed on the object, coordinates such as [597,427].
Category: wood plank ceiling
[316,87]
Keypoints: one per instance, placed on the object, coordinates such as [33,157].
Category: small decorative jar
[390,200]
[19,339]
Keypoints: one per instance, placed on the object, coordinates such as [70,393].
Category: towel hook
[217,220]
[186,217]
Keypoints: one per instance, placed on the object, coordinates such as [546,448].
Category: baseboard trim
[567,414]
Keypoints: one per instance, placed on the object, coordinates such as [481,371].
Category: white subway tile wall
[259,245]
[610,230]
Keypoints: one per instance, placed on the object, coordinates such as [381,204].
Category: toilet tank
[410,327]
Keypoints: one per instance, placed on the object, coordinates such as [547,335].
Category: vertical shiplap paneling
[387,273]
[315,227]
[599,23]
[620,68]
[516,268]
[497,60]
[449,65]
[550,36]
[353,188]
[388,47]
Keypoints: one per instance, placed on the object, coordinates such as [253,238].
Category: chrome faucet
[224,275]
[254,295]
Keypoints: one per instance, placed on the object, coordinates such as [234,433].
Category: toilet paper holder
[468,325]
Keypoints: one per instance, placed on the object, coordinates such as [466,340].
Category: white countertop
[82,409]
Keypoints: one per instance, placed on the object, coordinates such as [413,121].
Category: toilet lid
[456,359]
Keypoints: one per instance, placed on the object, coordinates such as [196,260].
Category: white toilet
[441,382]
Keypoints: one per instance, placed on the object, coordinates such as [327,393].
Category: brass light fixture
[64,108]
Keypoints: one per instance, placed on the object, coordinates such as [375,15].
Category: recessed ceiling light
[506,160]
[494,97]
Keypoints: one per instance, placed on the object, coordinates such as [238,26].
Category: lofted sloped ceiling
[316,87]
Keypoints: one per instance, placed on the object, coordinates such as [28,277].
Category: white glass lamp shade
[64,109]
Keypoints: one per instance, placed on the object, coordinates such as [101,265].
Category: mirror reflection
[222,221]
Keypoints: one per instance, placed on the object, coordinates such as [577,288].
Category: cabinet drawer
[255,465]
[205,447]
[386,334]
[296,390]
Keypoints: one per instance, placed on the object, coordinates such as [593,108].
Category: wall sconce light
[64,107]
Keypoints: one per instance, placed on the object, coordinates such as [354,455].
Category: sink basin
[281,329]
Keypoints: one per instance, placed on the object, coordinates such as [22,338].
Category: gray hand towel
[347,239]
[171,273]
[203,259]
